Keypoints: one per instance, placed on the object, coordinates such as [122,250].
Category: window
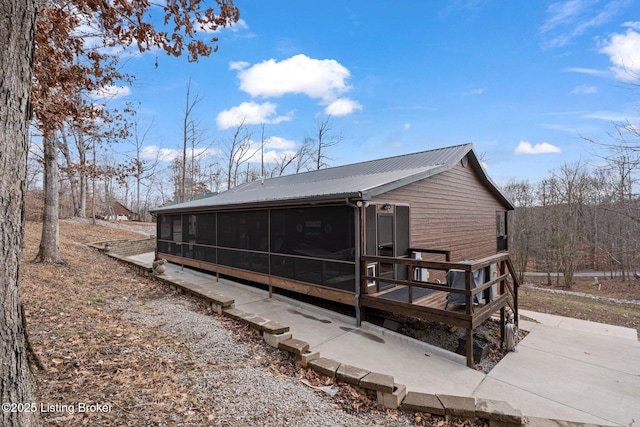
[206,229]
[312,244]
[177,228]
[323,232]
[244,230]
[501,231]
[165,227]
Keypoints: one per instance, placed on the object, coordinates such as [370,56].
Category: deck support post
[469,344]
[468,275]
[359,215]
[502,326]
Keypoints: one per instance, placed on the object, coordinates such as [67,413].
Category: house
[379,234]
[119,212]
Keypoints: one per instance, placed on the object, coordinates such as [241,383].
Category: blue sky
[524,81]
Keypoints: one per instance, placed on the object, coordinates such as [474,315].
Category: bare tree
[65,67]
[142,169]
[282,162]
[49,250]
[214,176]
[190,134]
[75,168]
[237,152]
[522,194]
[566,193]
[325,139]
[304,156]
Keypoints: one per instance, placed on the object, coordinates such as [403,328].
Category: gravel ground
[236,377]
[431,332]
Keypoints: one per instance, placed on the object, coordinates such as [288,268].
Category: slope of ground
[611,301]
[121,349]
[129,351]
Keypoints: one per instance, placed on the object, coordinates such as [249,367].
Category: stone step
[325,366]
[422,402]
[350,374]
[377,382]
[294,346]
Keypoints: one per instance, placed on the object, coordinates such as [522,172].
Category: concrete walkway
[565,369]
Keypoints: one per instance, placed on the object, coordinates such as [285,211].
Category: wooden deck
[428,300]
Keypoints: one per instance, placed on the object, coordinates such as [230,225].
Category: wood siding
[451,211]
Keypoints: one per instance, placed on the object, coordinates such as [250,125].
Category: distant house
[352,233]
[119,212]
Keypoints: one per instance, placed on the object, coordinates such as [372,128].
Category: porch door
[386,247]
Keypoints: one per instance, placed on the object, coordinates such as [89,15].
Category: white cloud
[279,143]
[250,113]
[238,65]
[153,152]
[275,148]
[342,107]
[589,71]
[272,156]
[406,126]
[561,128]
[324,79]
[632,24]
[572,18]
[477,91]
[110,92]
[239,25]
[525,147]
[610,116]
[624,53]
[584,90]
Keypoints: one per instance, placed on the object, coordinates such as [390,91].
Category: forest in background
[581,217]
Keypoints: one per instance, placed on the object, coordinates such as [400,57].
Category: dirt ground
[91,352]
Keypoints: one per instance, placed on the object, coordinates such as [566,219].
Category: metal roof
[358,181]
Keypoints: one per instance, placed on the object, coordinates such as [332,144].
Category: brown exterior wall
[452,211]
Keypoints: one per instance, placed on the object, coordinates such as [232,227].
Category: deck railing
[506,282]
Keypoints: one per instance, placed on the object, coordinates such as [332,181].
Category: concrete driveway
[565,369]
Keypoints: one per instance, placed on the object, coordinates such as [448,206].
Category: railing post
[409,282]
[501,268]
[516,285]
[468,280]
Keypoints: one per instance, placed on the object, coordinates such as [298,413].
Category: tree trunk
[49,247]
[82,211]
[82,154]
[71,174]
[17,21]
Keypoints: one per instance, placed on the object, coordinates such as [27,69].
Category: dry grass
[596,309]
[93,355]
[90,354]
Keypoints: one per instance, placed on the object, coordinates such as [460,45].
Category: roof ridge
[395,157]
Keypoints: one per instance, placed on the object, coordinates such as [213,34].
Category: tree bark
[49,251]
[71,174]
[17,24]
